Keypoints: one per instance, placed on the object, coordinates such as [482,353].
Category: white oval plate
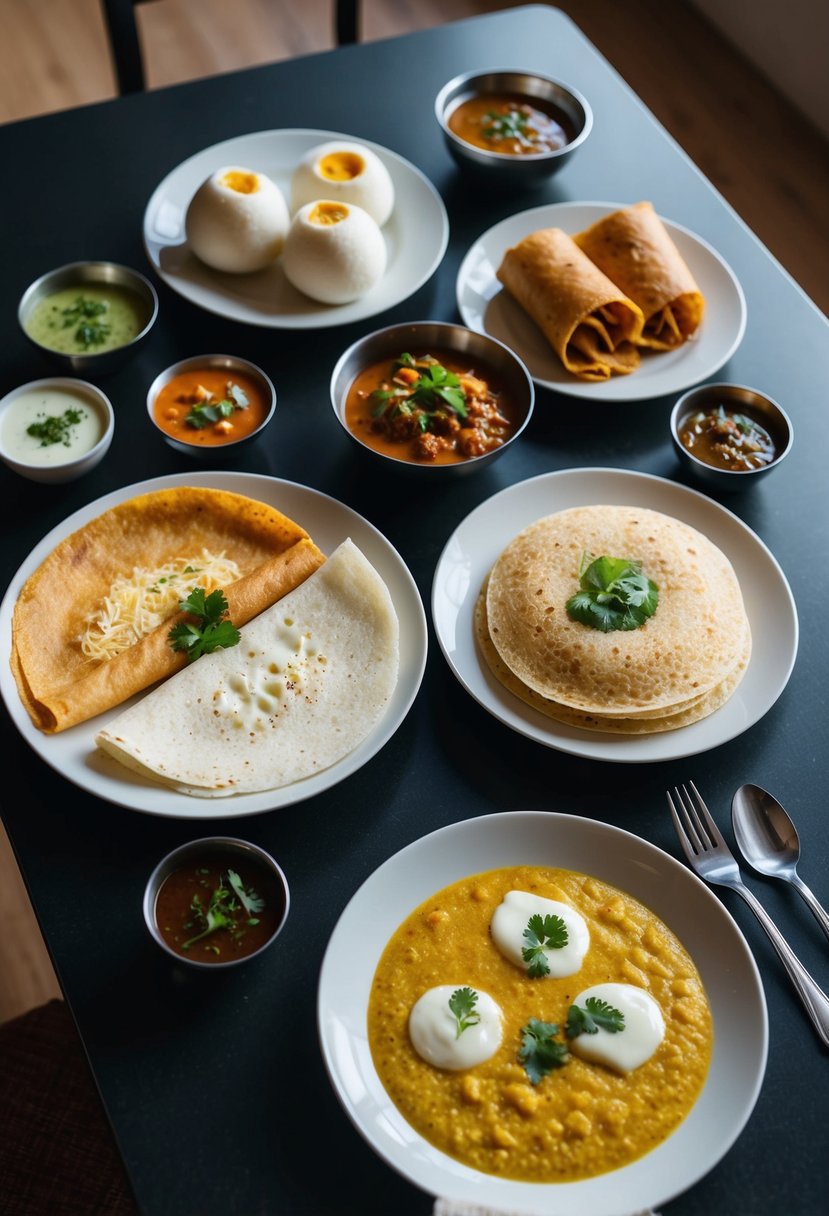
[487,308]
[477,542]
[660,882]
[73,752]
[416,236]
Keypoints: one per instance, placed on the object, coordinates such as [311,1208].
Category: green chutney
[88,319]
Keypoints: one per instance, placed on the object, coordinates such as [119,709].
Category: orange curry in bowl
[210,406]
[429,409]
[511,124]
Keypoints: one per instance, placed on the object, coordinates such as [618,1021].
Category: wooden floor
[766,160]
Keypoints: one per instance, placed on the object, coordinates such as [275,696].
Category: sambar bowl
[197,440]
[206,875]
[138,297]
[507,169]
[475,354]
[729,408]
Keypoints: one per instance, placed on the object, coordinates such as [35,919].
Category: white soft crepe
[302,689]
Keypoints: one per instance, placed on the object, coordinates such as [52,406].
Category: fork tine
[685,830]
[713,831]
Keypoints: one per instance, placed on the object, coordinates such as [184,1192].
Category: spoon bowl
[768,840]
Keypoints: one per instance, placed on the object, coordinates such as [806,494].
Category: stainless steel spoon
[769,842]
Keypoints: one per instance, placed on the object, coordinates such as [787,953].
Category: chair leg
[119,18]
[346,21]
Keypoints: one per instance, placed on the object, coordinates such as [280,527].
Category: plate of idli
[260,693]
[614,615]
[295,229]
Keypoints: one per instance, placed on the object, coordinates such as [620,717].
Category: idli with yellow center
[237,220]
[334,252]
[696,637]
[346,173]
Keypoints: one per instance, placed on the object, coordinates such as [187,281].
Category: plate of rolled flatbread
[603,300]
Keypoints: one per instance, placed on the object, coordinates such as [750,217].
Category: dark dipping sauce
[429,409]
[201,893]
[511,123]
[726,439]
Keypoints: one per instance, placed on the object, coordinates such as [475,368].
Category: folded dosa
[305,685]
[57,683]
[634,249]
[589,322]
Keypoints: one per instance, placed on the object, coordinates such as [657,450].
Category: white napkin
[456,1207]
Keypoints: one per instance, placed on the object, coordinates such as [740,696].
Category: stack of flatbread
[601,296]
[683,663]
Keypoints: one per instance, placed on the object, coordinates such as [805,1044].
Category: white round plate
[416,236]
[477,542]
[660,882]
[486,307]
[73,752]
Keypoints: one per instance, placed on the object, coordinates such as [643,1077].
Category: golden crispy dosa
[590,324]
[635,250]
[695,639]
[645,722]
[60,686]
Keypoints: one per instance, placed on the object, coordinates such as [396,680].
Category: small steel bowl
[73,466]
[230,363]
[434,336]
[503,168]
[229,848]
[739,399]
[77,274]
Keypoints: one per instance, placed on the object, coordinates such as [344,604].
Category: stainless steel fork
[711,858]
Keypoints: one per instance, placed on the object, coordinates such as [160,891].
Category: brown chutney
[583,1119]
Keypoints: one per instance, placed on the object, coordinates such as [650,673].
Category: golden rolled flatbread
[69,607]
[590,323]
[635,250]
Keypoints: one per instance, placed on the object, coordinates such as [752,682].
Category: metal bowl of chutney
[88,317]
[512,128]
[729,436]
[216,902]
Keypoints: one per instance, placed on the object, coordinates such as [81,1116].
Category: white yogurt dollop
[632,1046]
[433,1029]
[511,917]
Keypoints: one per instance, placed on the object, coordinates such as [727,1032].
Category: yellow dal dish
[583,1119]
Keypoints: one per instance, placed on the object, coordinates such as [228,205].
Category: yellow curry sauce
[511,124]
[583,1119]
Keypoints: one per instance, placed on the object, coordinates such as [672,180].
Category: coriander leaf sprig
[462,1003]
[542,933]
[615,594]
[594,1015]
[209,631]
[540,1053]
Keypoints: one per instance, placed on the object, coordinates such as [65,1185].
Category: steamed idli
[237,220]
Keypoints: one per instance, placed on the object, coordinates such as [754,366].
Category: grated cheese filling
[139,602]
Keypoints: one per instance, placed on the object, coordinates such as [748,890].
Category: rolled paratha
[259,554]
[304,686]
[591,325]
[635,250]
[695,639]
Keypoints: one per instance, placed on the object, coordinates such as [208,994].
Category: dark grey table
[216,1090]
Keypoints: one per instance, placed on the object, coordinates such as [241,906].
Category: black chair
[122,30]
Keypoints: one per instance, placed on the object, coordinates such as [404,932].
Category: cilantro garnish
[429,392]
[541,934]
[595,1014]
[82,313]
[210,631]
[210,411]
[511,125]
[230,908]
[615,594]
[539,1052]
[55,428]
[462,1002]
